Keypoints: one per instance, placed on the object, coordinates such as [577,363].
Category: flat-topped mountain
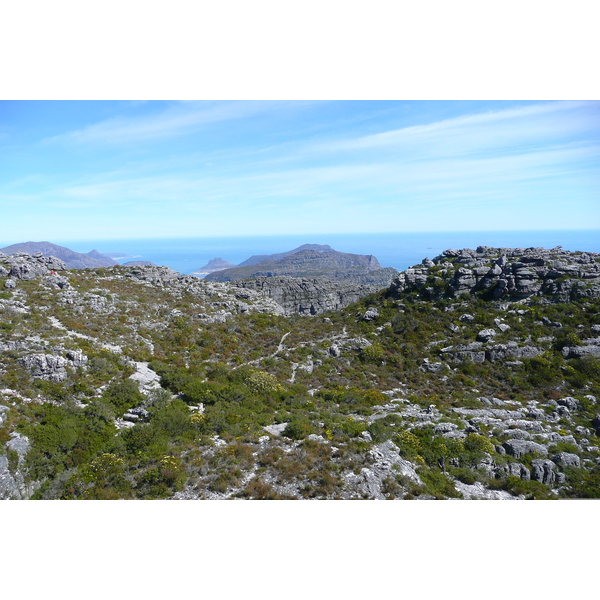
[303,263]
[139,263]
[258,258]
[73,260]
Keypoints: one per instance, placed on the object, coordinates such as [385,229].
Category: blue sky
[99,170]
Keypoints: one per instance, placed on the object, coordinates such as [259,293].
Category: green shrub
[298,428]
[478,443]
[438,485]
[122,395]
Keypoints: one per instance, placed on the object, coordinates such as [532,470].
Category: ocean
[398,250]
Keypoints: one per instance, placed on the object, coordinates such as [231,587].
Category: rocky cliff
[315,296]
[505,274]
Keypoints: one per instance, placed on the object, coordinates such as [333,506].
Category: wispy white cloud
[181,118]
[493,128]
[384,181]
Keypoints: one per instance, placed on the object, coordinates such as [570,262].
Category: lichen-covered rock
[308,296]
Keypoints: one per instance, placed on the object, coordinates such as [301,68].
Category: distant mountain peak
[304,261]
[213,265]
[257,258]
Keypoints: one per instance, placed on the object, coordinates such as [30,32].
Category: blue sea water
[398,250]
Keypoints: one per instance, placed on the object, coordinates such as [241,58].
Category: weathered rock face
[544,471]
[518,448]
[45,366]
[386,461]
[51,367]
[506,273]
[307,296]
[13,485]
[567,459]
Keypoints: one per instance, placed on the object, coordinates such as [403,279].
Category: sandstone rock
[309,296]
[579,351]
[58,282]
[429,367]
[77,358]
[485,335]
[465,352]
[518,470]
[571,403]
[518,448]
[445,427]
[370,314]
[567,459]
[543,470]
[45,366]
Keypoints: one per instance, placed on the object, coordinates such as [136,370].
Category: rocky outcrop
[386,462]
[544,471]
[13,484]
[505,274]
[27,267]
[518,448]
[307,296]
[50,367]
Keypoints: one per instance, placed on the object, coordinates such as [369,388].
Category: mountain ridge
[73,260]
[303,263]
[258,258]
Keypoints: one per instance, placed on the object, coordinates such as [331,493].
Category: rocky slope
[315,296]
[139,382]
